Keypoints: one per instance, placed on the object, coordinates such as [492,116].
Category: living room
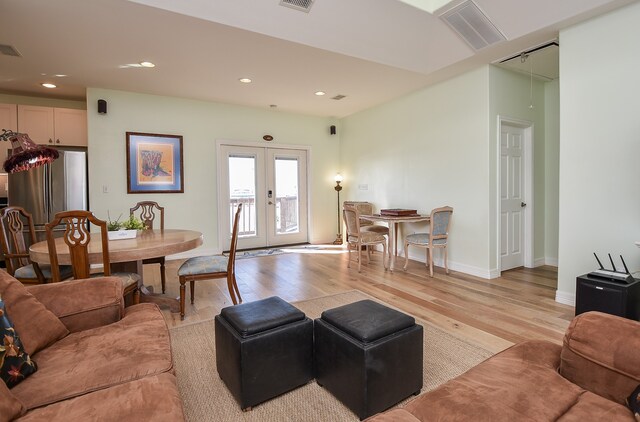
[434,146]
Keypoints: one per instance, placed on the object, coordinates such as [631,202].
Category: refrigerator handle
[47,191]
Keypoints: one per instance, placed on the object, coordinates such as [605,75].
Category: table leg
[146,293]
[393,232]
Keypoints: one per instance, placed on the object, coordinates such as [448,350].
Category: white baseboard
[539,262]
[551,261]
[455,266]
[567,298]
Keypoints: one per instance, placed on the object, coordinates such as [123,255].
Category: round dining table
[126,255]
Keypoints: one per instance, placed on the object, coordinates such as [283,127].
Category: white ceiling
[369,50]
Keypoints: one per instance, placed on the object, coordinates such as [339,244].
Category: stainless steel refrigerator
[59,186]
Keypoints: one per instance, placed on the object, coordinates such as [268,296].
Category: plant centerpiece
[128,229]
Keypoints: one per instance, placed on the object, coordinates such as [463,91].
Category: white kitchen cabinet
[53,125]
[9,121]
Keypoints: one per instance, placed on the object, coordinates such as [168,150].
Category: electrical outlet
[363,187]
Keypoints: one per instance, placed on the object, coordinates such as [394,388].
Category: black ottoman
[368,356]
[263,349]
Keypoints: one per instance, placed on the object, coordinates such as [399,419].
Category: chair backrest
[351,218]
[365,208]
[14,245]
[148,212]
[231,266]
[440,220]
[77,238]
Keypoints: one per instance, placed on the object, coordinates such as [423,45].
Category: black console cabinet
[596,294]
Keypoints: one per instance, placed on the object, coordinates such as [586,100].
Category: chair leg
[368,254]
[182,295]
[349,255]
[430,261]
[230,287]
[446,258]
[136,296]
[385,261]
[359,257]
[235,286]
[163,278]
[192,287]
[426,263]
[406,255]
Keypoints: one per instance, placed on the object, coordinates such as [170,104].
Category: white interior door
[271,184]
[512,201]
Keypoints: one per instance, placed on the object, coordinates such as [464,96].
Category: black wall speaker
[102,107]
[332,129]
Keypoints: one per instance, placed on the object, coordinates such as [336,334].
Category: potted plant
[128,229]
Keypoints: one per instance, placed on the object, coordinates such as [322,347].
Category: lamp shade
[26,154]
[338,178]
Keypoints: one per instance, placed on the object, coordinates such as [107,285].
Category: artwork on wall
[154,163]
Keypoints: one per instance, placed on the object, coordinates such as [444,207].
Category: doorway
[271,185]
[515,203]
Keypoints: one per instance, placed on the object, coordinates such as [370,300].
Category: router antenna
[612,264]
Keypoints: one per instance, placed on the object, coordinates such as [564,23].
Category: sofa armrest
[600,354]
[83,304]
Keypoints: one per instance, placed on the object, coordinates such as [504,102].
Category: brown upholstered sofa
[100,361]
[588,378]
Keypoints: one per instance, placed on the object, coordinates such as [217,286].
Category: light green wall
[201,124]
[600,144]
[424,150]
[41,101]
[552,169]
[511,97]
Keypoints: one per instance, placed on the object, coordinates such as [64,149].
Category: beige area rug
[206,398]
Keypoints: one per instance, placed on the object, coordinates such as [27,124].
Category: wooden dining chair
[356,237]
[14,223]
[366,208]
[149,210]
[438,237]
[77,237]
[212,266]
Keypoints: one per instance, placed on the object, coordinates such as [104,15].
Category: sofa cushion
[520,383]
[10,406]
[605,364]
[38,327]
[153,398]
[132,348]
[15,364]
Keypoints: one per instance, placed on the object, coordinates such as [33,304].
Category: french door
[271,185]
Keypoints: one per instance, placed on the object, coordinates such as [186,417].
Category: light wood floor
[492,313]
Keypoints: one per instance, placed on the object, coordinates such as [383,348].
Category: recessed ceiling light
[48,85]
[245,80]
[319,93]
[147,64]
[60,76]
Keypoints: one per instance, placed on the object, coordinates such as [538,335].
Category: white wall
[510,98]
[200,124]
[424,150]
[552,170]
[600,144]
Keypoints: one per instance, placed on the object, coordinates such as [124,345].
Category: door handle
[523,204]
[270,203]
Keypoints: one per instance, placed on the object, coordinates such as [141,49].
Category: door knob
[522,204]
[270,203]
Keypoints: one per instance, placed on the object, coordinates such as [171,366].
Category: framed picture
[154,163]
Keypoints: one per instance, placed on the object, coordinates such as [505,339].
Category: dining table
[126,255]
[393,221]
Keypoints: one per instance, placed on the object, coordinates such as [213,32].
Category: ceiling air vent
[472,25]
[338,97]
[8,50]
[302,5]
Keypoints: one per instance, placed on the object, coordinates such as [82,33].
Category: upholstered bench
[368,356]
[263,349]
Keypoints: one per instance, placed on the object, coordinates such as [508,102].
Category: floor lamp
[338,188]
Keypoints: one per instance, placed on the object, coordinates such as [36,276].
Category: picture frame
[154,163]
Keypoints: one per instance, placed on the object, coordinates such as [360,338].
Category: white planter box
[122,234]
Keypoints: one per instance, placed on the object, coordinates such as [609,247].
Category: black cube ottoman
[263,349]
[368,356]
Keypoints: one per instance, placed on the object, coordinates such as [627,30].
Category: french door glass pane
[287,202]
[242,190]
